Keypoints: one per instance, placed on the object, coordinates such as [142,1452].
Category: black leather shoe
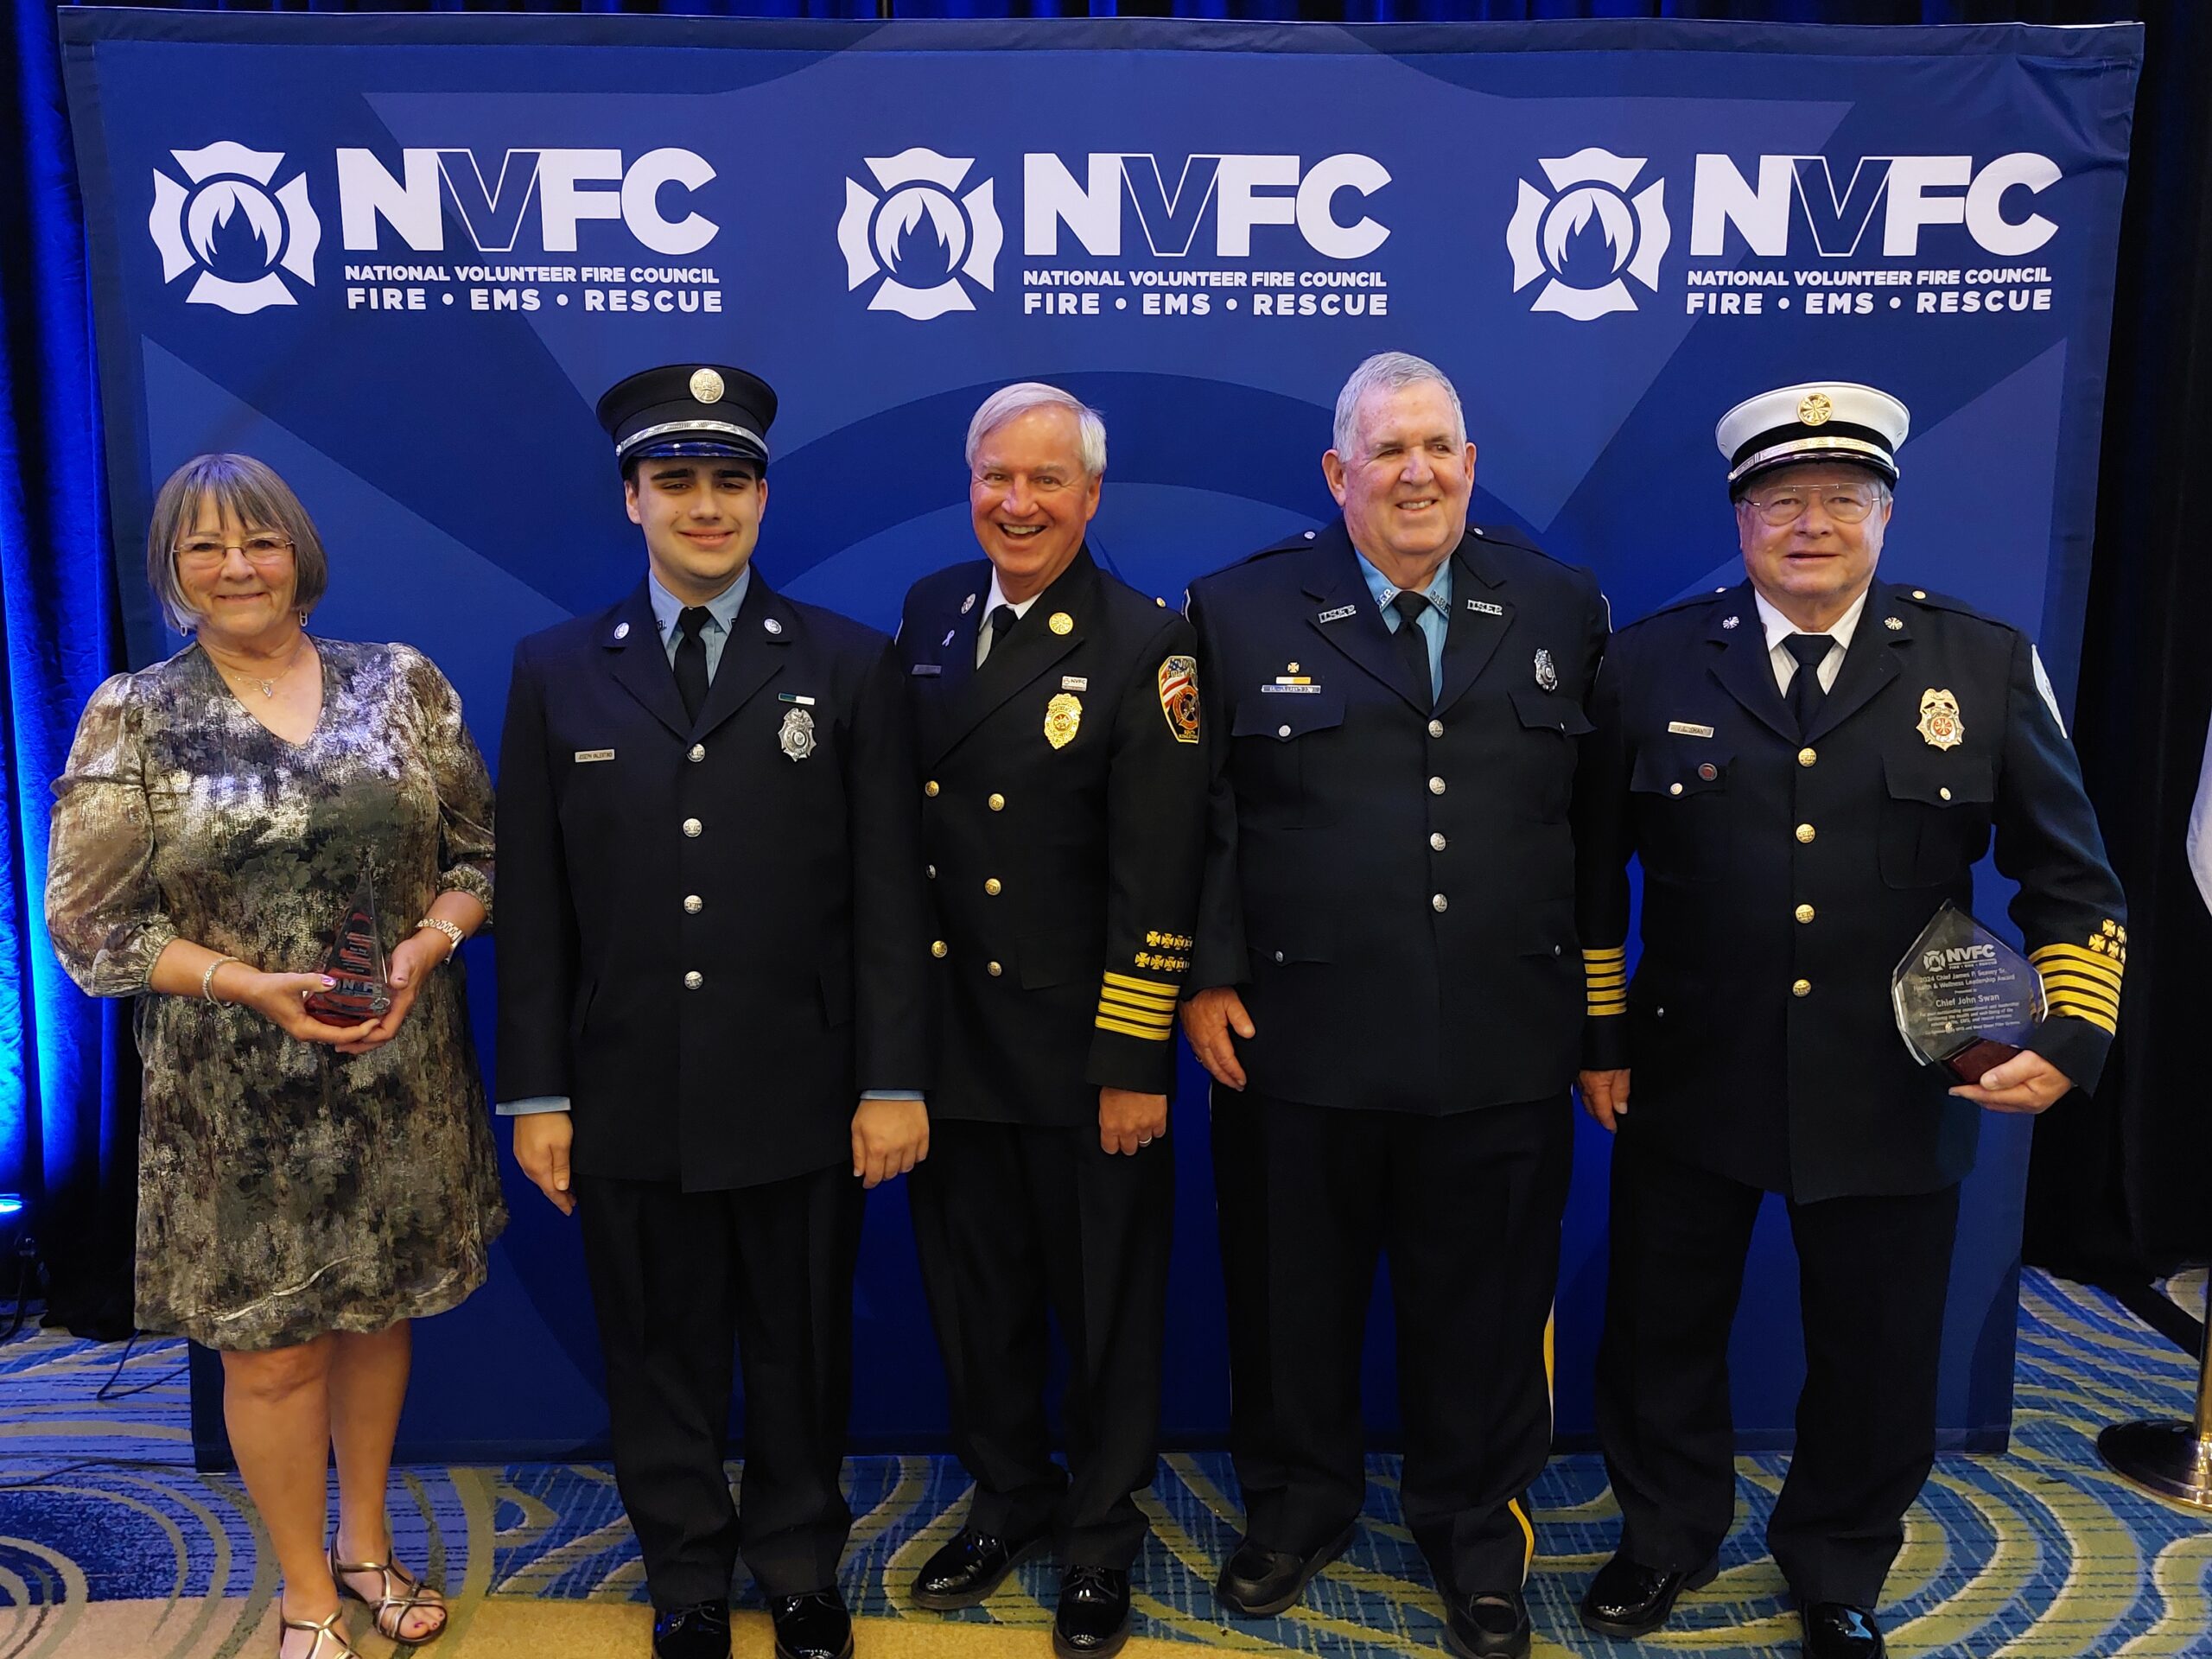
[1259,1583]
[1836,1629]
[695,1632]
[967,1569]
[1489,1625]
[1628,1599]
[1094,1618]
[812,1626]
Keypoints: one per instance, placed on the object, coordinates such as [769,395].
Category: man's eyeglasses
[1847,504]
[205,550]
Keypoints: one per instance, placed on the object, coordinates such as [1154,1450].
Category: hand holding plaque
[1964,998]
[356,960]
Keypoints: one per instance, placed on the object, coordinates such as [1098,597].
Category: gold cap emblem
[706,386]
[1060,622]
[1816,409]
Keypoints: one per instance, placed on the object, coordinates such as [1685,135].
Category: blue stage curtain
[68,1087]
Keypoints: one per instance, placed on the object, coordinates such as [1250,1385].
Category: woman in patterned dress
[305,1190]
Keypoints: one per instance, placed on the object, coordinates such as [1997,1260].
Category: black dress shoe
[1836,1629]
[1489,1625]
[812,1626]
[696,1632]
[1259,1583]
[1094,1618]
[967,1569]
[1628,1599]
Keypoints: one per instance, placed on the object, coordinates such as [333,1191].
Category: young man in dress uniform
[1807,765]
[713,1003]
[1388,993]
[1062,813]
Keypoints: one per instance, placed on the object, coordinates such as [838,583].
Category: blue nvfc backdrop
[398,257]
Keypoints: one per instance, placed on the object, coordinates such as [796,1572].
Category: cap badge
[706,386]
[771,624]
[1816,409]
[796,738]
[1060,622]
[1063,719]
[1939,719]
[967,604]
[1547,676]
[622,631]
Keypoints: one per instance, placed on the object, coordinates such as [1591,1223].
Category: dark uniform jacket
[1785,878]
[711,939]
[1392,887]
[1062,814]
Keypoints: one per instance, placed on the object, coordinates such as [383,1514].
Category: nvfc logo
[920,238]
[233,229]
[1590,235]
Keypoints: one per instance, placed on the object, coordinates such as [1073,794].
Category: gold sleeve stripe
[2097,1017]
[1613,982]
[1149,1034]
[2065,982]
[1134,1011]
[2075,1002]
[1605,1010]
[1612,953]
[1161,989]
[2074,957]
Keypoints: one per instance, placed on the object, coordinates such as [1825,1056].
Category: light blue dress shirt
[1434,621]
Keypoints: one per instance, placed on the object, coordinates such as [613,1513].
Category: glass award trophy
[356,960]
[1963,997]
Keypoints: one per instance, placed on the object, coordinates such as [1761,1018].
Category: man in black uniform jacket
[1390,995]
[1808,766]
[712,940]
[1058,718]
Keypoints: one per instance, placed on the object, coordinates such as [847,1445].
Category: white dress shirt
[1779,627]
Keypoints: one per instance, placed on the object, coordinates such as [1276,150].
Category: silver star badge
[1547,676]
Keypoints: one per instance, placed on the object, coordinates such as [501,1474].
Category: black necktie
[691,659]
[1810,650]
[1000,623]
[1412,644]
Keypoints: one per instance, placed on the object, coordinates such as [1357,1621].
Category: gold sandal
[322,1628]
[391,1610]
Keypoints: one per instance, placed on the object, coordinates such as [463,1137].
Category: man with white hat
[1808,766]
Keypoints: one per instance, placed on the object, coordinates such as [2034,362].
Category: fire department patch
[1178,697]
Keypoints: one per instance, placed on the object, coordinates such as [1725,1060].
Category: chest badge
[1547,675]
[1939,719]
[1063,719]
[797,737]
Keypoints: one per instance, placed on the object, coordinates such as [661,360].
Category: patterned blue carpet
[2038,1551]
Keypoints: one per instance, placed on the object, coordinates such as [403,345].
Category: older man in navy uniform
[1063,811]
[1808,766]
[713,1003]
[1388,993]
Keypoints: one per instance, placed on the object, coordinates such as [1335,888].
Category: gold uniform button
[993,969]
[1436,841]
[929,788]
[1804,912]
[1945,793]
[693,904]
[1806,757]
[1920,593]
[1805,832]
[1439,902]
[698,754]
[693,979]
[1802,987]
[1436,729]
[937,947]
[692,826]
[991,886]
[1436,786]
[997,802]
[1674,789]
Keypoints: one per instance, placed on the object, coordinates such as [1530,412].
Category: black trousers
[1468,1208]
[1011,1220]
[678,1278]
[1871,1274]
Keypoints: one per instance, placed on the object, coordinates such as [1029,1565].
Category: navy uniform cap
[689,408]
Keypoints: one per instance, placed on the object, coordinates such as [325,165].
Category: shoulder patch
[2042,688]
[1178,697]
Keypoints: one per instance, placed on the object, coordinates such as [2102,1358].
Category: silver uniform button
[693,904]
[1440,902]
[1278,956]
[1436,786]
[933,871]
[692,826]
[698,753]
[693,979]
[1436,840]
[1282,731]
[1436,729]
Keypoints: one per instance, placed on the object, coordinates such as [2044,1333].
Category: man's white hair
[1389,371]
[1008,402]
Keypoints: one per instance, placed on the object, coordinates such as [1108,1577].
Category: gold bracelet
[207,979]
[451,930]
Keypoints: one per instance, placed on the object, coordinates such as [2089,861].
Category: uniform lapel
[1345,612]
[639,661]
[1741,662]
[1013,665]
[1868,665]
[948,641]
[759,641]
[1479,622]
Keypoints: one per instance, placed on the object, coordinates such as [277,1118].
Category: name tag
[583,755]
[1339,614]
[1291,686]
[927,668]
[792,696]
[1686,728]
[1485,607]
[1074,683]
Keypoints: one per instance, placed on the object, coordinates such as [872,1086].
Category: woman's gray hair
[1008,402]
[252,493]
[1389,371]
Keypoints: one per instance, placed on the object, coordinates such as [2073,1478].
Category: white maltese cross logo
[922,240]
[233,229]
[1591,236]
